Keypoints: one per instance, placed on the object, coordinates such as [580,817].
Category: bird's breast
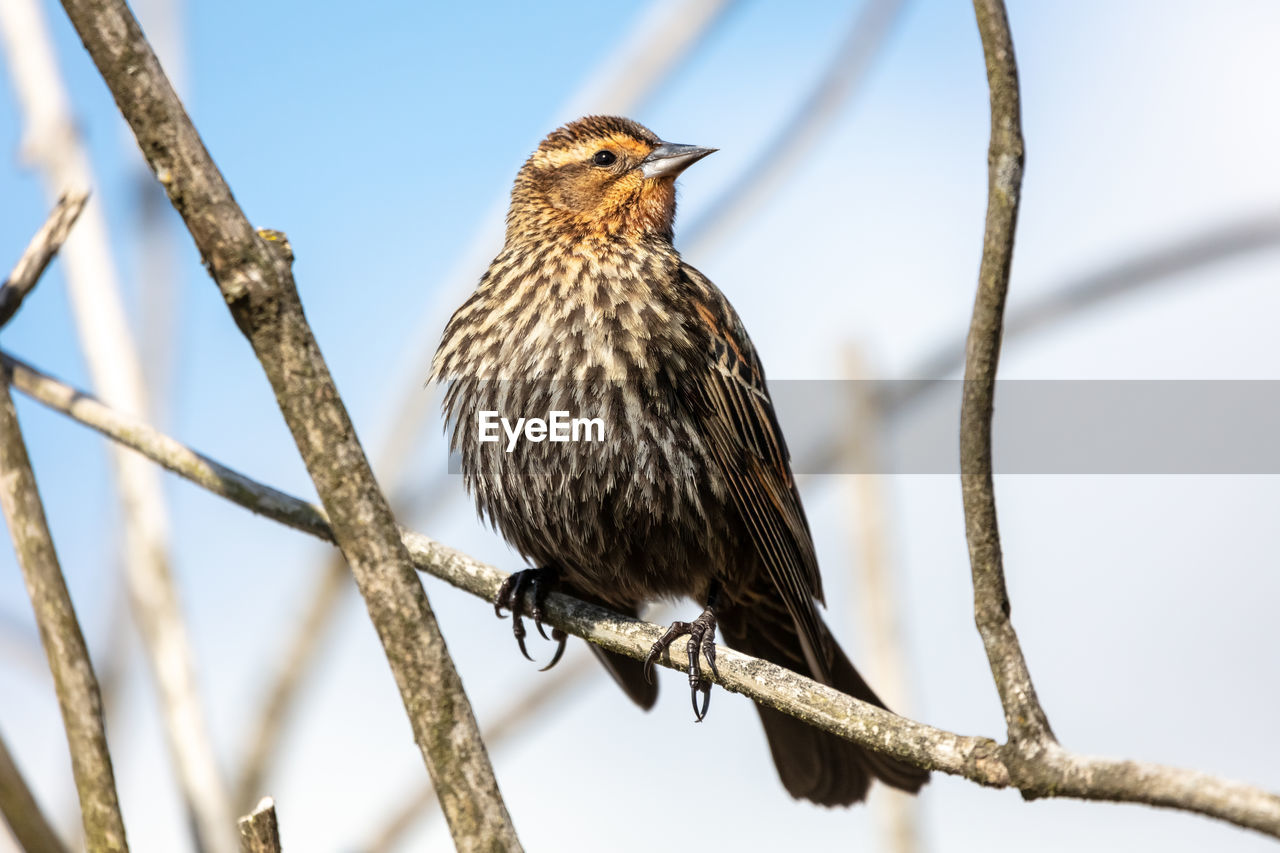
[571,427]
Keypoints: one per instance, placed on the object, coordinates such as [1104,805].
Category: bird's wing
[737,416]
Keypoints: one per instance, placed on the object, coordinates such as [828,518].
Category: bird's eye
[604,158]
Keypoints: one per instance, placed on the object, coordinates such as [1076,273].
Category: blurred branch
[22,812]
[289,674]
[1188,252]
[253,272]
[64,645]
[21,644]
[976,758]
[521,711]
[52,142]
[155,246]
[865,37]
[876,603]
[39,252]
[259,832]
[667,33]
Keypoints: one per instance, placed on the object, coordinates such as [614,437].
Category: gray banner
[1080,427]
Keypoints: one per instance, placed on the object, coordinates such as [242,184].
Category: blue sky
[378,141]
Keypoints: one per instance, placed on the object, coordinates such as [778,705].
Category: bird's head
[600,174]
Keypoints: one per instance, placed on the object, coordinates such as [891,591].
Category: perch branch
[978,759]
[253,272]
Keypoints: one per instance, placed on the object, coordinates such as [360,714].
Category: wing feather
[741,427]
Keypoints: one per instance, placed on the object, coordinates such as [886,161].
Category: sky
[381,140]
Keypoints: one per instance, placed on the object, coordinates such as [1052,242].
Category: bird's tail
[813,764]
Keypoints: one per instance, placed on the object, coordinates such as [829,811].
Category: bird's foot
[702,642]
[527,590]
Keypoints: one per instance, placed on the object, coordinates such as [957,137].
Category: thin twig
[73,677]
[52,141]
[976,758]
[170,454]
[253,273]
[22,812]
[40,251]
[1028,726]
[259,832]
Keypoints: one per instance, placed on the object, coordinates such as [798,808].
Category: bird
[685,488]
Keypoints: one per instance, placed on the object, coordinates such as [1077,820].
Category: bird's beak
[670,159]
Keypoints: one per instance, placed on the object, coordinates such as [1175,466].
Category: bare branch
[1028,727]
[259,832]
[1037,765]
[73,678]
[40,251]
[22,812]
[254,275]
[52,141]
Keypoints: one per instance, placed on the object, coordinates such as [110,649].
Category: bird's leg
[702,643]
[531,584]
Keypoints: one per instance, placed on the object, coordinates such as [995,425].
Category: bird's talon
[702,642]
[709,651]
[705,690]
[537,618]
[560,637]
[531,586]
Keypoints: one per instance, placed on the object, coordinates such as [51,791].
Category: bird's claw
[702,643]
[531,586]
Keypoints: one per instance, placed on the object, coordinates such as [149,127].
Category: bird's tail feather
[813,764]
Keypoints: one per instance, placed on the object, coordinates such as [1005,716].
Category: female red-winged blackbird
[684,487]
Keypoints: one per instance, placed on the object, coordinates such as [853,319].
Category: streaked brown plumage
[589,309]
